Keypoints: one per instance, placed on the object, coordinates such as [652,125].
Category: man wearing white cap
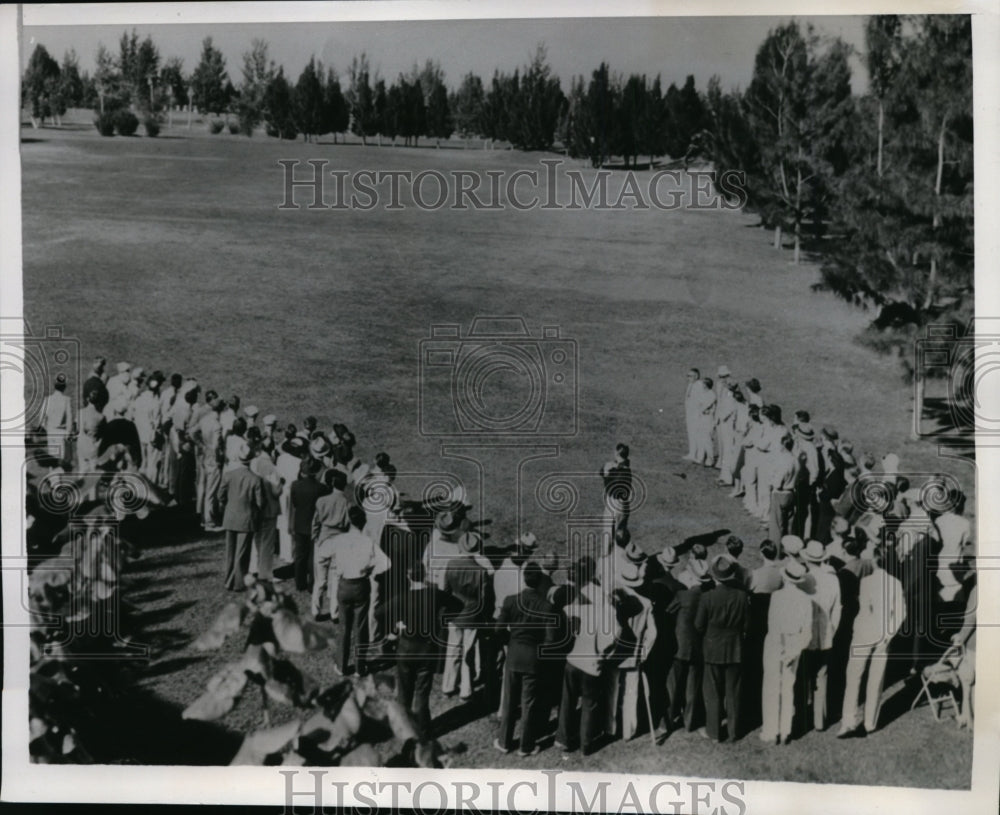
[135,383]
[251,412]
[691,411]
[789,632]
[825,620]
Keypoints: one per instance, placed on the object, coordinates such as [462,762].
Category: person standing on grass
[722,619]
[234,440]
[241,494]
[691,412]
[467,579]
[617,477]
[330,521]
[833,483]
[118,386]
[769,449]
[91,425]
[532,623]
[146,415]
[685,679]
[825,619]
[881,613]
[414,618]
[306,490]
[266,539]
[288,462]
[268,443]
[57,418]
[593,626]
[722,417]
[228,415]
[356,559]
[705,414]
[168,398]
[207,437]
[785,469]
[807,481]
[750,471]
[94,384]
[789,631]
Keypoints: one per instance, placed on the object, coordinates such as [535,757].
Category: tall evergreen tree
[279,104]
[209,80]
[361,99]
[258,71]
[41,86]
[309,102]
[467,106]
[335,110]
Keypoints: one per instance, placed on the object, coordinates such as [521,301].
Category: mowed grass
[172,253]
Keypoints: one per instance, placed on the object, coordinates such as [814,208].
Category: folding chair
[943,674]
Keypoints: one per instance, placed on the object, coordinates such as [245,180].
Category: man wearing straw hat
[684,682]
[468,580]
[825,620]
[789,631]
[722,620]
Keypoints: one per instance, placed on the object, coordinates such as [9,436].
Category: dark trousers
[722,685]
[302,557]
[685,691]
[588,690]
[490,650]
[237,558]
[353,596]
[415,676]
[524,688]
[806,507]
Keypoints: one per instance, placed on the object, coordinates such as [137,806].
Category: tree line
[880,185]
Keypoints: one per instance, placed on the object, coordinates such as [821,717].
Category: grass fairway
[171,253]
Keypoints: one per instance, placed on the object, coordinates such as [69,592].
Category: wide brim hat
[815,552]
[723,569]
[791,544]
[449,522]
[270,420]
[794,571]
[633,554]
[527,541]
[244,453]
[805,430]
[319,447]
[122,367]
[630,573]
[723,371]
[668,557]
[250,411]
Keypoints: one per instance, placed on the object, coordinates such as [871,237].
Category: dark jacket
[469,583]
[304,494]
[421,611]
[533,622]
[685,607]
[722,619]
[242,494]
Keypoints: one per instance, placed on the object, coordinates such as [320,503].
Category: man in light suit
[242,496]
[881,612]
[722,619]
[691,412]
[723,413]
[826,619]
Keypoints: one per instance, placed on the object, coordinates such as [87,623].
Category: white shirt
[789,623]
[882,608]
[56,411]
[356,555]
[826,609]
[146,415]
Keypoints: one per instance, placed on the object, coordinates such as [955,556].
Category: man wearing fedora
[825,620]
[241,497]
[449,527]
[881,613]
[330,520]
[789,631]
[468,580]
[57,418]
[532,623]
[807,481]
[684,682]
[661,588]
[721,620]
[305,491]
[146,415]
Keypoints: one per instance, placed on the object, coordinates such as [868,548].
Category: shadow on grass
[704,538]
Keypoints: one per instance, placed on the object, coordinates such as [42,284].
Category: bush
[216,126]
[105,123]
[126,123]
[234,128]
[152,125]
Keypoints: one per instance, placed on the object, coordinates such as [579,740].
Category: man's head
[234,403]
[853,547]
[240,426]
[176,380]
[290,432]
[787,442]
[100,363]
[532,575]
[60,382]
[416,572]
[753,385]
[621,451]
[709,383]
[768,550]
[693,374]
[802,416]
[584,571]
[210,396]
[622,537]
[336,479]
[699,552]
[734,546]
[309,424]
[356,515]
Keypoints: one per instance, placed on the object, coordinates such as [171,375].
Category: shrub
[126,123]
[216,126]
[234,128]
[105,123]
[152,125]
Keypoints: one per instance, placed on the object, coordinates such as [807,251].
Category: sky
[670,46]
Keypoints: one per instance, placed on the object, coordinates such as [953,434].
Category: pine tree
[41,86]
[309,101]
[209,80]
[467,106]
[258,71]
[279,104]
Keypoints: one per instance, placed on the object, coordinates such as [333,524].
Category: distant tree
[209,80]
[883,43]
[599,119]
[309,101]
[631,112]
[439,121]
[467,106]
[71,83]
[106,79]
[732,145]
[380,105]
[395,110]
[336,114]
[415,113]
[173,81]
[534,105]
[279,105]
[41,86]
[495,115]
[258,71]
[653,123]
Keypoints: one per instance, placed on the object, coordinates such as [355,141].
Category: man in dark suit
[684,682]
[306,490]
[532,622]
[722,619]
[241,493]
[414,618]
